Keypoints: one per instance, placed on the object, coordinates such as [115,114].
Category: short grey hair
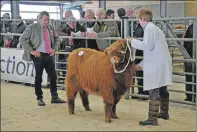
[138,7]
[68,10]
[43,13]
[90,11]
[71,18]
[100,10]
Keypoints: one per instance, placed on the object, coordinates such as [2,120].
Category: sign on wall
[13,68]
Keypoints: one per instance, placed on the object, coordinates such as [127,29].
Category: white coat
[157,61]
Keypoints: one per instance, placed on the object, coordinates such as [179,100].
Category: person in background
[129,13]
[137,10]
[103,29]
[122,15]
[157,67]
[110,14]
[61,25]
[67,14]
[188,66]
[74,29]
[89,14]
[7,23]
[61,32]
[6,28]
[40,42]
[17,27]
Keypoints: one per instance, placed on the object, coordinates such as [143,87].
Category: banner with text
[13,68]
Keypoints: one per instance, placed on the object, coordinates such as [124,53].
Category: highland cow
[108,74]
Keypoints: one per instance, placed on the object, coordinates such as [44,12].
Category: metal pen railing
[171,38]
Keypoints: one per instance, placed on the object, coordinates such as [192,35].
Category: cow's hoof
[114,116]
[108,120]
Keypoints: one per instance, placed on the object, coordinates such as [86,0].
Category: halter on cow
[131,57]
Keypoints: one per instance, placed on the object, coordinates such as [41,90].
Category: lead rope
[121,71]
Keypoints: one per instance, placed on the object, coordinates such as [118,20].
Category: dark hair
[7,14]
[82,14]
[121,12]
[43,13]
[109,12]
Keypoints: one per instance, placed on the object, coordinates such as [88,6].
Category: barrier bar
[109,38]
[169,40]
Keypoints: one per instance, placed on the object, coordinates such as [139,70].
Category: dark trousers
[157,94]
[45,61]
[140,83]
[188,87]
[92,44]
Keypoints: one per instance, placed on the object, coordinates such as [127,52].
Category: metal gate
[175,43]
[178,53]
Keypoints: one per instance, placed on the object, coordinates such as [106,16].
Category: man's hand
[138,68]
[7,43]
[70,41]
[73,34]
[36,53]
[52,53]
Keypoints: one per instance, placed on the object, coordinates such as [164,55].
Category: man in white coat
[157,67]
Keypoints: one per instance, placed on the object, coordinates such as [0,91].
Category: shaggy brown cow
[91,71]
